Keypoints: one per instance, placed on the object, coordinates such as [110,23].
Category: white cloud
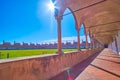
[69,39]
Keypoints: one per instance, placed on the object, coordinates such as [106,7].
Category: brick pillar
[58,18]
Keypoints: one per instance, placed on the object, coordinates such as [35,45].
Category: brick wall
[41,68]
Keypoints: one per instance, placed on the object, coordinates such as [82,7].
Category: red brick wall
[41,68]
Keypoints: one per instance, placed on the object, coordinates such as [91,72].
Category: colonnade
[93,42]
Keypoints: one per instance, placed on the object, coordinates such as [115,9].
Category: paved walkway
[101,66]
[106,66]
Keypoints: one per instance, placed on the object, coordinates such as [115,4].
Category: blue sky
[31,21]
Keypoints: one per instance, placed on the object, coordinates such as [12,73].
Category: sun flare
[51,6]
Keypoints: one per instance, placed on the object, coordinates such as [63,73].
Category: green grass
[21,53]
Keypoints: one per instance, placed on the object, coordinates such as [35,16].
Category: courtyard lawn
[21,53]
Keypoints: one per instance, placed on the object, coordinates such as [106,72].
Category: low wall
[41,68]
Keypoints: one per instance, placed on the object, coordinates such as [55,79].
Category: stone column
[78,37]
[58,18]
[86,41]
[111,46]
[116,45]
[97,44]
[91,46]
[93,43]
[112,43]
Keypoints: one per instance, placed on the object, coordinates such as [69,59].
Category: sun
[51,6]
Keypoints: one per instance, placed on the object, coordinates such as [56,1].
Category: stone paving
[101,66]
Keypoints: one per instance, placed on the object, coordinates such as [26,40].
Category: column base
[87,48]
[60,52]
[79,50]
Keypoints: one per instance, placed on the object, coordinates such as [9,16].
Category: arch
[82,34]
[76,23]
[82,29]
[68,25]
[87,37]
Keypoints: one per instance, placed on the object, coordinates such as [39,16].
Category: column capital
[77,28]
[58,17]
